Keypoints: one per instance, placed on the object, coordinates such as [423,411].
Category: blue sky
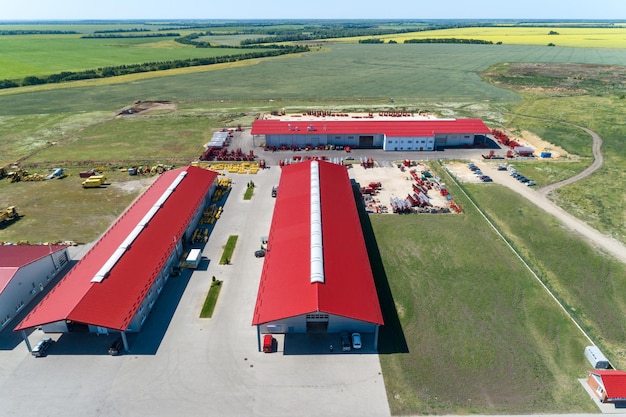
[315,9]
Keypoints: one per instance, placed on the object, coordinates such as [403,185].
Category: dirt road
[540,198]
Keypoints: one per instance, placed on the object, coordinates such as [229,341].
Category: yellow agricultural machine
[8,215]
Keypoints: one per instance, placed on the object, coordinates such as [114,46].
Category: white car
[40,349]
[356,340]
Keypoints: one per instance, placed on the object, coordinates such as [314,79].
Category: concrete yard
[186,366]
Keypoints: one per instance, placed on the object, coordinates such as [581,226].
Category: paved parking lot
[180,365]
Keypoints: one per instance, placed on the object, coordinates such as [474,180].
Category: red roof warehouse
[390,134]
[24,271]
[313,283]
[115,284]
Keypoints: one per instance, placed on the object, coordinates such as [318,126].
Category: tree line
[125,36]
[448,40]
[107,72]
[37,32]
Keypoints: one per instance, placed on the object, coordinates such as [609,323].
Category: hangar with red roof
[115,285]
[25,270]
[407,133]
[316,274]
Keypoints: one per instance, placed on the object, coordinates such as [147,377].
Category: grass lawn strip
[211,300]
[229,248]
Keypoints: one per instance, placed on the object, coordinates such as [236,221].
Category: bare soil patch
[143,107]
[397,184]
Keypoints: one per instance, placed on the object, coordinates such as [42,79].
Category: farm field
[36,55]
[411,74]
[580,37]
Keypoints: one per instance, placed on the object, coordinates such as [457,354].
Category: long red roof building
[110,297]
[288,288]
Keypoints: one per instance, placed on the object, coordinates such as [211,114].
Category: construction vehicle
[57,173]
[8,214]
[95,181]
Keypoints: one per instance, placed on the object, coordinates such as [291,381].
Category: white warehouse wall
[29,280]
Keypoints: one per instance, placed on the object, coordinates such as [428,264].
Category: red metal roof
[13,257]
[614,382]
[391,128]
[113,302]
[285,289]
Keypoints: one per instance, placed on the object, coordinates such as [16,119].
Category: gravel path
[540,198]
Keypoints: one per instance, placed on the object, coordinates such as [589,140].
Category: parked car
[531,183]
[523,179]
[116,347]
[259,253]
[486,178]
[41,348]
[345,341]
[274,191]
[356,340]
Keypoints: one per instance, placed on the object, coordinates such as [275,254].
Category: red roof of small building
[391,128]
[614,382]
[285,289]
[113,302]
[14,257]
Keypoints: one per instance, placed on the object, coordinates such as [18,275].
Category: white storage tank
[596,358]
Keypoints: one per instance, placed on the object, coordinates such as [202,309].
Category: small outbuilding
[316,275]
[25,270]
[609,385]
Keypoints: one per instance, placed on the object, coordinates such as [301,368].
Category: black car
[274,191]
[260,253]
[116,347]
[345,342]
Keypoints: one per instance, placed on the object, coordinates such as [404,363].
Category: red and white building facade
[390,134]
[25,270]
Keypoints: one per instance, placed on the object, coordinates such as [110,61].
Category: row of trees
[37,32]
[324,33]
[106,72]
[132,36]
[449,40]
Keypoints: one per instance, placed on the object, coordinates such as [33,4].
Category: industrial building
[25,270]
[115,285]
[316,274]
[403,133]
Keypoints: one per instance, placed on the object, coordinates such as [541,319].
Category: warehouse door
[366,141]
[317,323]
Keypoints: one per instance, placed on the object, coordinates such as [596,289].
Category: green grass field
[35,55]
[482,336]
[351,74]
